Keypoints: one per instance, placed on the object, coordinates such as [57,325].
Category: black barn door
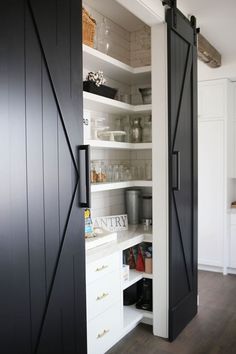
[42,255]
[182,81]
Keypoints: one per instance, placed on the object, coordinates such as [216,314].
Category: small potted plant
[95,84]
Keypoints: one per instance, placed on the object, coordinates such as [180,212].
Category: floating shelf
[100,187]
[134,277]
[94,102]
[102,144]
[115,69]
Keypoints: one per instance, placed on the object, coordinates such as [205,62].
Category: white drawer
[102,267]
[102,294]
[104,330]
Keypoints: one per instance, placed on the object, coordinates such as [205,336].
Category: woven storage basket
[89,26]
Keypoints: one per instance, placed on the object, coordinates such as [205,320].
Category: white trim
[231,270]
[210,268]
[150,12]
[160,186]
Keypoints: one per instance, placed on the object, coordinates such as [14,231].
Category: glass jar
[109,173]
[116,173]
[93,173]
[149,170]
[103,173]
[98,168]
[147,132]
[136,131]
[103,37]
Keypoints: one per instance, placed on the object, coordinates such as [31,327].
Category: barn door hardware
[172,4]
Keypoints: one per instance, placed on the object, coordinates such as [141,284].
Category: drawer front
[104,330]
[103,293]
[102,267]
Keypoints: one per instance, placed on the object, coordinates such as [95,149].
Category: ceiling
[217,22]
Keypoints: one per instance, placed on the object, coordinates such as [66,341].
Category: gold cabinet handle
[100,297]
[101,268]
[100,335]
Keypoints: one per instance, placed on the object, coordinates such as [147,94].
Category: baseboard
[231,270]
[210,268]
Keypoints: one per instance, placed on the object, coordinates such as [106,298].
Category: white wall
[227,70]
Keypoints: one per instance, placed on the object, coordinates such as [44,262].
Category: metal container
[132,201]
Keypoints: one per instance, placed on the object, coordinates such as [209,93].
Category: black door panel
[182,61]
[42,255]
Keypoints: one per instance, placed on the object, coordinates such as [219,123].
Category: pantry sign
[112,223]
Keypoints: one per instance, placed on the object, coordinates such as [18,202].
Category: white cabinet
[211,192]
[232,242]
[103,331]
[104,307]
[214,154]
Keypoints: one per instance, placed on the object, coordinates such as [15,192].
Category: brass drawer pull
[101,268]
[102,296]
[100,335]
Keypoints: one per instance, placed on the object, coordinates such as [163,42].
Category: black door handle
[176,171]
[84,176]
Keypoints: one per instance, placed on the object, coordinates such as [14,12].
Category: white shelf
[134,277]
[94,102]
[131,318]
[102,144]
[100,187]
[115,69]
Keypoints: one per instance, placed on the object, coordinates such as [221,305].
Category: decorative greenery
[96,77]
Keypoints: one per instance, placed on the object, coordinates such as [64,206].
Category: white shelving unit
[102,144]
[131,318]
[114,68]
[98,103]
[100,187]
[134,277]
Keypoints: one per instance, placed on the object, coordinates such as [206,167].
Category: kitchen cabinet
[232,242]
[216,165]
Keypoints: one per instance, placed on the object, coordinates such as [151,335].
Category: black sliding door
[42,255]
[182,81]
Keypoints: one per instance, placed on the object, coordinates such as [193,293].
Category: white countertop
[125,239]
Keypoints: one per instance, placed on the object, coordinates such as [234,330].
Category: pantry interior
[127,135]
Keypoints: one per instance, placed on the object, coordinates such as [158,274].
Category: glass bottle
[136,131]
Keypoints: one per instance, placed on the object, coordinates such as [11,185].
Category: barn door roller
[173,5]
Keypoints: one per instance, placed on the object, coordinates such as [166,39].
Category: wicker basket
[89,26]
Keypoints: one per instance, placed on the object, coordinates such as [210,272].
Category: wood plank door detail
[42,253]
[182,104]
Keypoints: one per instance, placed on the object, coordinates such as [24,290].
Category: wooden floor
[212,331]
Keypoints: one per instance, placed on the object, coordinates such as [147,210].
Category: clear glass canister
[136,131]
[147,132]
